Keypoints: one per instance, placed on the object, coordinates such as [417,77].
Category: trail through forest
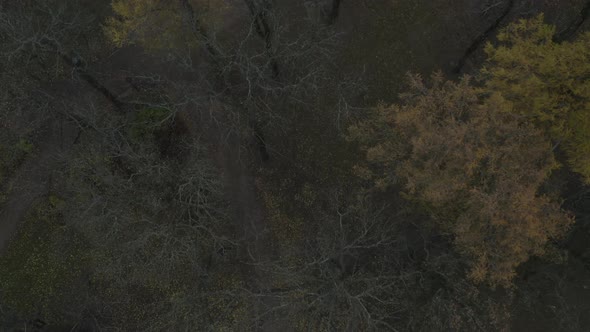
[33,178]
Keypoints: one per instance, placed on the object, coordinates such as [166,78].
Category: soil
[32,180]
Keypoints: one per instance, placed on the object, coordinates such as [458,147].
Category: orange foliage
[473,166]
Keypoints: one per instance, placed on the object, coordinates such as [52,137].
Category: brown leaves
[475,165]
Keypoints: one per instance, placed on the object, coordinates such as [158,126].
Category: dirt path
[256,240]
[236,157]
[32,180]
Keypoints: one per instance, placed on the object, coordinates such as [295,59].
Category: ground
[382,41]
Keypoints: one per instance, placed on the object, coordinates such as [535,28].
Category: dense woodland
[294,165]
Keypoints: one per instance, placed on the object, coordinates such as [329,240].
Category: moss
[41,263]
[24,147]
[148,121]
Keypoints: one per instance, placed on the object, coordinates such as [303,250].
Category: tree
[354,265]
[47,41]
[547,84]
[343,270]
[32,36]
[473,166]
[165,25]
[151,206]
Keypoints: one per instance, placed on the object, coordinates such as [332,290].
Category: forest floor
[32,180]
[382,40]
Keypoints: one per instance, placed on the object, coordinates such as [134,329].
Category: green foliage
[547,83]
[24,147]
[42,264]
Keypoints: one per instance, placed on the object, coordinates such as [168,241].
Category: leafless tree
[153,222]
[345,277]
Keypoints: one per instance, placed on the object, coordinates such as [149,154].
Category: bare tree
[155,219]
[345,276]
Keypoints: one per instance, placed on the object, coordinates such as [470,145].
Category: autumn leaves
[472,153]
[475,155]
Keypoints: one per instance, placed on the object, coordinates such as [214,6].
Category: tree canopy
[158,24]
[547,84]
[473,166]
[250,165]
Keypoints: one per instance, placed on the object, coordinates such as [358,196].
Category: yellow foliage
[161,24]
[150,23]
[548,84]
